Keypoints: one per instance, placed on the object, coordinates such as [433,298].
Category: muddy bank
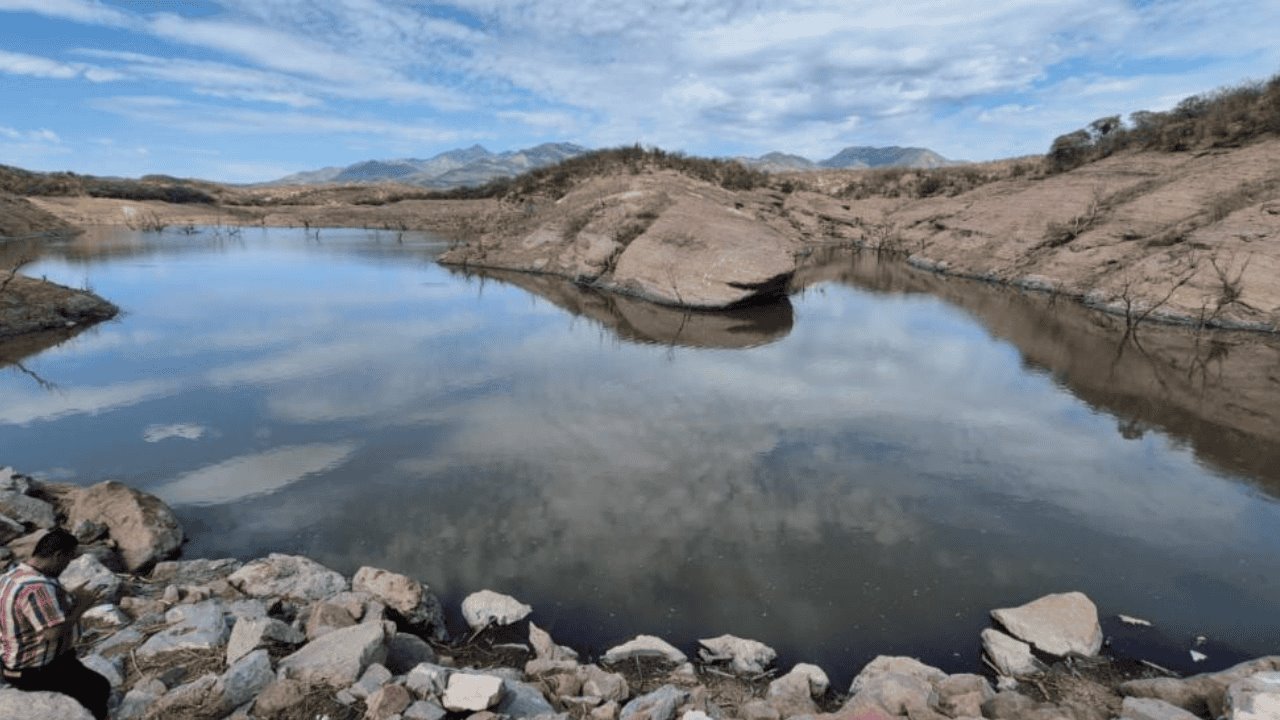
[285,637]
[28,305]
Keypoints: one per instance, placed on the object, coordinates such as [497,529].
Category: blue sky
[248,90]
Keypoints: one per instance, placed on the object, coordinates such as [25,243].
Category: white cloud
[40,67]
[84,11]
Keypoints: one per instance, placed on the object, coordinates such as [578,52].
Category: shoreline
[202,638]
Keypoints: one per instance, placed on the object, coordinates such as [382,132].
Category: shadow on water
[639,321]
[1219,392]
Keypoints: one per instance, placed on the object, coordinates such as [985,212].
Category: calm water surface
[867,469]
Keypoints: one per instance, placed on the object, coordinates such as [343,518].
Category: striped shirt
[30,603]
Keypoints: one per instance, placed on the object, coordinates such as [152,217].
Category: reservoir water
[866,469]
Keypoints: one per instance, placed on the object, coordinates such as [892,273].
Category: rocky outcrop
[661,236]
[28,305]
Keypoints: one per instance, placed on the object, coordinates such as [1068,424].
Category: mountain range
[476,165]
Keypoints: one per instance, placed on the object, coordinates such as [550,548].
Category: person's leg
[67,675]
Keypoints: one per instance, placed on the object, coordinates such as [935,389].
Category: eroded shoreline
[285,637]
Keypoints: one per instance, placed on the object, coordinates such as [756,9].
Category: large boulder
[245,678]
[1204,694]
[251,633]
[746,657]
[288,576]
[1255,698]
[1055,624]
[339,658]
[486,607]
[412,600]
[143,528]
[40,706]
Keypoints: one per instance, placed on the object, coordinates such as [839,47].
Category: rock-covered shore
[285,637]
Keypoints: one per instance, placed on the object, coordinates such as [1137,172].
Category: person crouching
[39,625]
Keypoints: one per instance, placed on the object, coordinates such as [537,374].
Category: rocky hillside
[19,218]
[455,168]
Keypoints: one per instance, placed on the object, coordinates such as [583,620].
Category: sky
[252,90]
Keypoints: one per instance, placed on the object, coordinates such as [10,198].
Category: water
[866,469]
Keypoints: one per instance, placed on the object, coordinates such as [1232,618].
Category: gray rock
[819,683]
[111,669]
[249,634]
[896,686]
[1010,656]
[191,627]
[424,710]
[137,702]
[27,510]
[759,710]
[87,531]
[660,704]
[197,699]
[471,692]
[898,665]
[287,576]
[10,529]
[522,700]
[1256,697]
[1152,709]
[545,648]
[428,680]
[326,617]
[644,646]
[121,642]
[370,682]
[486,607]
[339,658]
[106,615]
[194,572]
[407,651]
[11,481]
[40,706]
[1008,705]
[1055,624]
[412,600]
[247,677]
[87,572]
[278,697]
[746,657]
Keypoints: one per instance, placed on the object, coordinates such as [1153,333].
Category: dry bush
[1226,117]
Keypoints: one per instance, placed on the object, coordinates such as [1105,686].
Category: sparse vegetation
[65,184]
[1227,117]
[921,183]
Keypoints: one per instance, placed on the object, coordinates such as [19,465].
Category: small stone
[424,710]
[428,680]
[644,646]
[248,634]
[660,704]
[486,607]
[521,700]
[171,595]
[471,692]
[137,702]
[372,681]
[87,531]
[112,670]
[191,627]
[278,697]
[545,648]
[1152,709]
[338,658]
[406,651]
[105,615]
[413,601]
[605,685]
[606,711]
[1129,620]
[1007,705]
[324,618]
[1010,656]
[790,695]
[388,701]
[759,710]
[963,695]
[1197,656]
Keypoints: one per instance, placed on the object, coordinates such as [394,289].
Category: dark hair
[54,542]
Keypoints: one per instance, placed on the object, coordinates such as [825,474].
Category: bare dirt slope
[20,218]
[1186,236]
